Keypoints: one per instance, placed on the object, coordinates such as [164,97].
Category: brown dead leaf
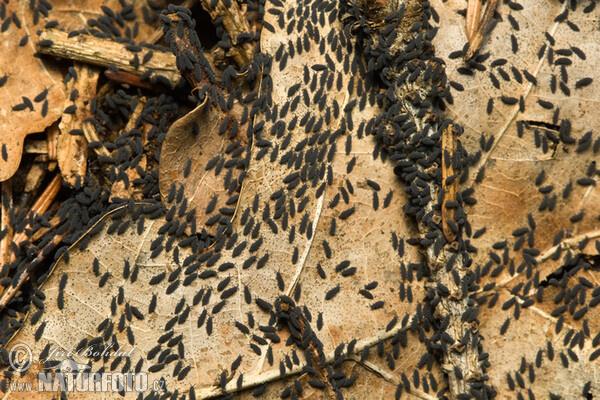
[364,240]
[28,76]
[193,154]
[508,192]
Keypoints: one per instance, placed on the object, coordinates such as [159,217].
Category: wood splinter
[449,189]
[476,28]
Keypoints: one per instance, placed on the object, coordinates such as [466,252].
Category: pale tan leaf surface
[530,334]
[364,239]
[508,191]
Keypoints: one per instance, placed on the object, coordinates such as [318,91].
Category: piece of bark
[448,148]
[71,150]
[35,176]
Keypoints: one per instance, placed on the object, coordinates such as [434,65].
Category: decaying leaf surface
[314,221]
[362,251]
[26,76]
[531,155]
[192,155]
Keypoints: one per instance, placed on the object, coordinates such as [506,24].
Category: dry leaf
[364,240]
[508,192]
[29,76]
[193,154]
[533,345]
[26,76]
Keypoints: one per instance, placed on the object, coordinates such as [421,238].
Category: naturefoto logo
[69,375]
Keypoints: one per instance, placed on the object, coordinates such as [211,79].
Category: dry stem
[448,148]
[71,150]
[274,375]
[454,306]
[26,272]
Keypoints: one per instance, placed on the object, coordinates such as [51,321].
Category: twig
[52,224]
[104,52]
[71,151]
[89,131]
[565,244]
[448,148]
[473,16]
[444,260]
[158,33]
[389,378]
[52,141]
[126,78]
[36,147]
[313,349]
[199,73]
